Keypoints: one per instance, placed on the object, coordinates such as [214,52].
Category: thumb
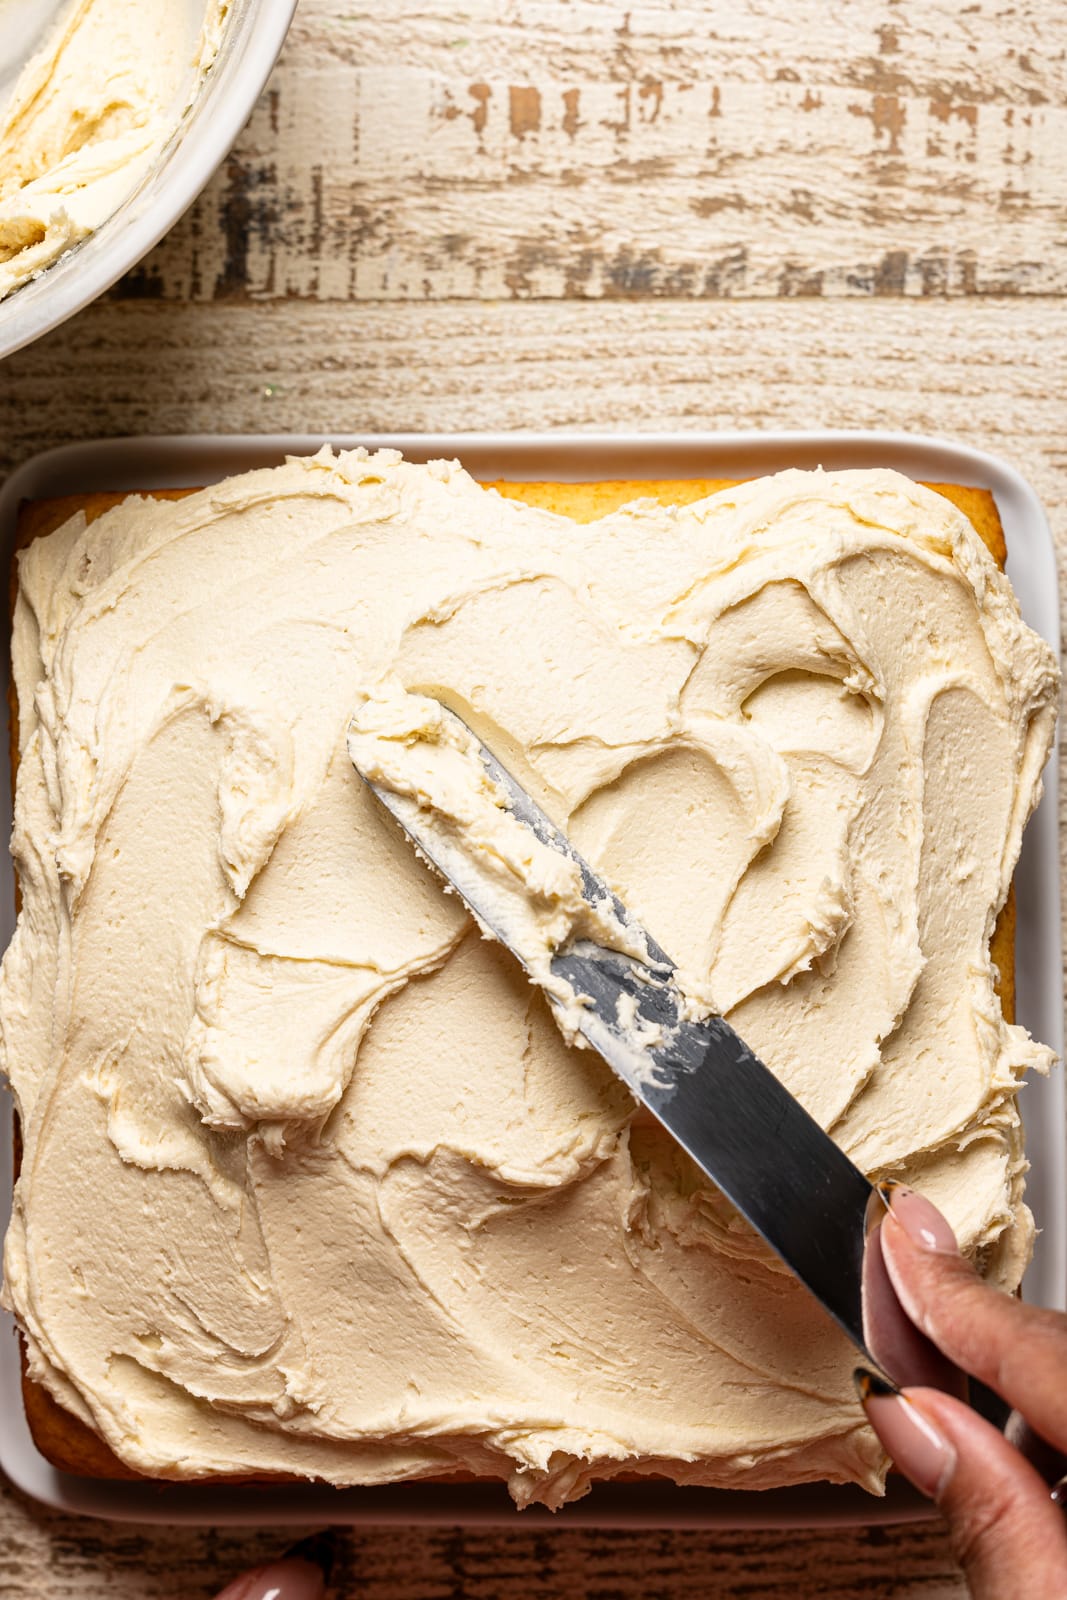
[1007,1533]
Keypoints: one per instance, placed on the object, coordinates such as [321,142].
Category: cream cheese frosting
[87,117]
[312,1183]
[425,758]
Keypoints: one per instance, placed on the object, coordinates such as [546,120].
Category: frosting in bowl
[87,117]
[312,1182]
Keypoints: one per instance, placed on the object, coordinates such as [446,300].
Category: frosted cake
[311,1184]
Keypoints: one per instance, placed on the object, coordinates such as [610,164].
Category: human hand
[299,1574]
[1008,1533]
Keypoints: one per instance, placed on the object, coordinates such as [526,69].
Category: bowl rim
[254,34]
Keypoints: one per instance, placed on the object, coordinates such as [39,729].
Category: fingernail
[920,1220]
[870,1384]
[280,1580]
[916,1446]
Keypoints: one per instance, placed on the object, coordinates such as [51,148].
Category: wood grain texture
[65,1558]
[990,373]
[593,214]
[541,149]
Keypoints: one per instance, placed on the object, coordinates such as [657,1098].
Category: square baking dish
[156,463]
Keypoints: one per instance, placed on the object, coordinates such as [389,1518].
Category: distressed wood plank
[733,149]
[65,1558]
[989,373]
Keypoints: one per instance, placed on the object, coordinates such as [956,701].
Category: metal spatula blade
[745,1131]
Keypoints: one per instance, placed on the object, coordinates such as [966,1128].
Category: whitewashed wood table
[591,214]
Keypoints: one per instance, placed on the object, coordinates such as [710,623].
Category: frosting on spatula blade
[613,987]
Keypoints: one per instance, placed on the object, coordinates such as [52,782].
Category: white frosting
[88,116]
[311,1182]
[428,759]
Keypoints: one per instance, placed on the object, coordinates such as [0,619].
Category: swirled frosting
[87,116]
[311,1181]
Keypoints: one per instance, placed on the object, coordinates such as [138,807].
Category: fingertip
[285,1579]
[918,1447]
[924,1278]
[893,1329]
[918,1219]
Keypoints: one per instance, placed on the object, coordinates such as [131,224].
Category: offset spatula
[754,1141]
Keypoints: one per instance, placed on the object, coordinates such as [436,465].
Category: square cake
[311,1184]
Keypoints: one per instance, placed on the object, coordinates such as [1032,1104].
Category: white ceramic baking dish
[255,32]
[173,463]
